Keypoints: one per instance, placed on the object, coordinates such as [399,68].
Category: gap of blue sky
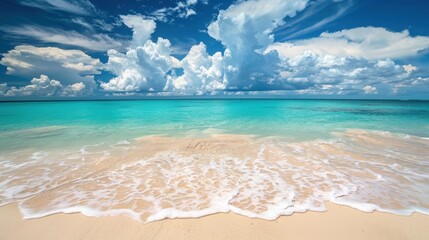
[272,48]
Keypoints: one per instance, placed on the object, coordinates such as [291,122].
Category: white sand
[337,223]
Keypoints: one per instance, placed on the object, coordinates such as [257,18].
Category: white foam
[123,142]
[369,171]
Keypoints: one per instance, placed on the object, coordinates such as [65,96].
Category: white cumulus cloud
[364,42]
[369,89]
[71,66]
[142,28]
[248,25]
[362,60]
[145,64]
[313,73]
[245,29]
[43,87]
[409,68]
[202,72]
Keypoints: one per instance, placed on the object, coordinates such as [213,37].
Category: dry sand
[337,223]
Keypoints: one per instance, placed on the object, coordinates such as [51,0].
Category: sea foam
[158,177]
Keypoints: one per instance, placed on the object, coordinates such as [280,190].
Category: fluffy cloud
[359,61]
[71,66]
[202,72]
[245,29]
[409,68]
[145,65]
[251,62]
[43,87]
[248,25]
[312,73]
[369,89]
[142,28]
[364,42]
[350,62]
[244,32]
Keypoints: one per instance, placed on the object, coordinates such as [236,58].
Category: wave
[157,177]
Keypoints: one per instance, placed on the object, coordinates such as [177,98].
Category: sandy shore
[337,223]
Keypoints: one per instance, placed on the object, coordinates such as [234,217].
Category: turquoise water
[156,159]
[76,123]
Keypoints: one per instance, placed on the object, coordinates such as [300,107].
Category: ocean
[156,159]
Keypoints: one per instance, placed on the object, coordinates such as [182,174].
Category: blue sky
[270,48]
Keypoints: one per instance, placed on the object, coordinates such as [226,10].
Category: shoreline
[159,177]
[338,222]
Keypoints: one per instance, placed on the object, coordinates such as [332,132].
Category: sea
[262,158]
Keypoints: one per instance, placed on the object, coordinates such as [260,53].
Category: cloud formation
[308,22]
[94,42]
[364,42]
[79,7]
[245,33]
[76,23]
[313,73]
[142,28]
[245,30]
[145,64]
[252,61]
[43,87]
[71,66]
[369,89]
[201,72]
[183,9]
[365,61]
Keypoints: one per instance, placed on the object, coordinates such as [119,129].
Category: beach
[359,171]
[338,222]
[198,119]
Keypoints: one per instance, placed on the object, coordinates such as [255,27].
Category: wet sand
[338,222]
[158,177]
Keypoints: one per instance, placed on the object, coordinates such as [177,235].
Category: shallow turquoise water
[80,157]
[77,123]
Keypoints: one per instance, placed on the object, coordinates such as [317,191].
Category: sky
[95,49]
